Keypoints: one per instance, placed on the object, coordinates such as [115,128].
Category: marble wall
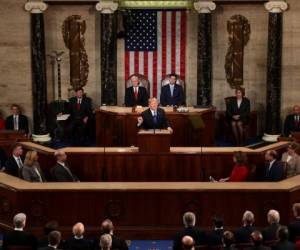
[15,77]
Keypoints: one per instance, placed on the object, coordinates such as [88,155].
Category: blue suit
[166,99]
[276,172]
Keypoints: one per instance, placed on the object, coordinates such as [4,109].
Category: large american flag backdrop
[155,45]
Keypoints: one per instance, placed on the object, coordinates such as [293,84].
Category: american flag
[155,46]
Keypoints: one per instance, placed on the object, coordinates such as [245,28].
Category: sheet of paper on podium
[63,117]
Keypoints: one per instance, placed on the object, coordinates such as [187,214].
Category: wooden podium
[154,141]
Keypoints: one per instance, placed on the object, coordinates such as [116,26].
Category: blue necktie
[154,117]
[172,90]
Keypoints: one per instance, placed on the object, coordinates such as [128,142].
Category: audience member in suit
[105,242]
[61,172]
[294,227]
[18,237]
[257,240]
[292,160]
[154,117]
[240,171]
[31,170]
[199,236]
[14,163]
[284,243]
[48,228]
[17,121]
[228,241]
[172,94]
[80,110]
[238,115]
[77,242]
[243,234]
[187,243]
[269,233]
[54,239]
[274,169]
[214,237]
[292,122]
[3,159]
[107,227]
[136,95]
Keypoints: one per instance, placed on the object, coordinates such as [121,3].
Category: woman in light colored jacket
[292,160]
[31,170]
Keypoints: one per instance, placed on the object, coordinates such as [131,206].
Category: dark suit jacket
[23,123]
[77,244]
[117,243]
[176,100]
[276,173]
[48,248]
[269,232]
[19,238]
[198,235]
[244,110]
[85,109]
[214,237]
[148,122]
[142,98]
[11,167]
[294,230]
[243,234]
[284,245]
[59,173]
[290,125]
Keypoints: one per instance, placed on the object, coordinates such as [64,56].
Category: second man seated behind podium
[136,95]
[154,117]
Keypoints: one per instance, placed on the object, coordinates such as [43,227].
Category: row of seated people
[29,169]
[274,235]
[19,239]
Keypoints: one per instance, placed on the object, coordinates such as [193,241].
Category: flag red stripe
[154,91]
[173,41]
[164,44]
[127,66]
[182,44]
[136,62]
[146,64]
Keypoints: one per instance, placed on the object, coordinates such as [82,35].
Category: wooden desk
[9,137]
[127,164]
[142,210]
[116,126]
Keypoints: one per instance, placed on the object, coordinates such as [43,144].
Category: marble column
[38,61]
[204,59]
[108,51]
[273,95]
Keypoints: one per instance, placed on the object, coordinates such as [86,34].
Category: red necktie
[78,105]
[135,93]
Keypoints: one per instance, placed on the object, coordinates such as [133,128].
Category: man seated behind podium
[136,95]
[154,117]
[292,122]
[172,93]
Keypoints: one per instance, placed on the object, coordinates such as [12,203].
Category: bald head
[107,226]
[78,229]
[187,243]
[60,155]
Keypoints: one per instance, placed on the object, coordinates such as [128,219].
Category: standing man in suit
[172,94]
[16,121]
[14,163]
[214,237]
[189,221]
[154,117]
[243,234]
[18,237]
[292,121]
[269,233]
[61,172]
[294,227]
[274,170]
[80,110]
[54,239]
[136,94]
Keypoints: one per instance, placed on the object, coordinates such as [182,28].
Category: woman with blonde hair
[291,159]
[31,170]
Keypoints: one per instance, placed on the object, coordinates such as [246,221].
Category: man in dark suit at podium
[16,121]
[80,110]
[154,117]
[292,122]
[172,93]
[136,94]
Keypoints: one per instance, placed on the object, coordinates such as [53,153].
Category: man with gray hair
[77,241]
[105,242]
[243,234]
[18,237]
[189,222]
[269,233]
[136,95]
